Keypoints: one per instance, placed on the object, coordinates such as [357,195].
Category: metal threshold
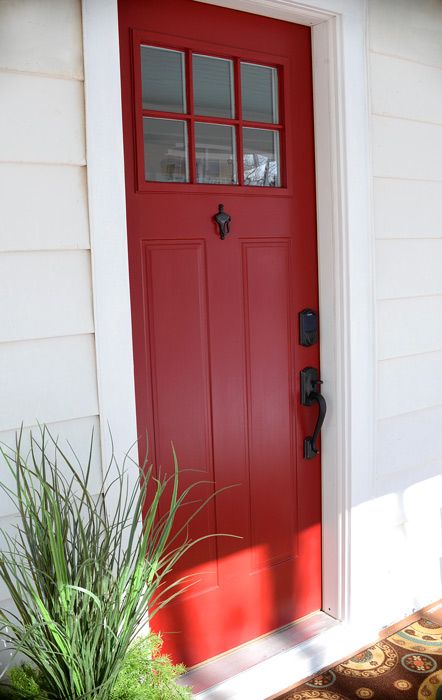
[239,673]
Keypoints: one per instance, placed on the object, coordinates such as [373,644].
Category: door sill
[264,666]
[317,642]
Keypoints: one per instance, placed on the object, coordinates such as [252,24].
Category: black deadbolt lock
[308,327]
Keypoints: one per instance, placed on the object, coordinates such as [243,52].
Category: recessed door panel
[176,327]
[270,374]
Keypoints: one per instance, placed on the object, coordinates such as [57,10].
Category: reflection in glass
[259,88]
[213,86]
[163,82]
[215,154]
[165,150]
[261,158]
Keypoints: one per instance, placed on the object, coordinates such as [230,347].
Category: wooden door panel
[269,396]
[176,321]
[176,330]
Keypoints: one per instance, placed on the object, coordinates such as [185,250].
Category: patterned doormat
[407,665]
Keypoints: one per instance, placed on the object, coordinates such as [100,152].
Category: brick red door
[217,108]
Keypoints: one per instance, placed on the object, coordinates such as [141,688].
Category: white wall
[47,348]
[399,558]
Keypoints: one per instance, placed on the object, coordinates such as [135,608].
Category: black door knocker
[223,220]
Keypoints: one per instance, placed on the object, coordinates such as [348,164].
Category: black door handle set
[310,395]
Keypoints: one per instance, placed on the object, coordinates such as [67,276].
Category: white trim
[287,10]
[107,218]
[331,272]
[344,241]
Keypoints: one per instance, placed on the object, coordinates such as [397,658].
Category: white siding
[46,315]
[41,120]
[406,149]
[407,29]
[47,294]
[44,207]
[394,80]
[74,439]
[41,36]
[47,344]
[410,443]
[407,268]
[405,60]
[398,318]
[48,380]
[407,208]
[409,383]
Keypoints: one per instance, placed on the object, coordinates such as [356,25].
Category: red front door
[217,109]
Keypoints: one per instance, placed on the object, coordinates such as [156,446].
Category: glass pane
[261,158]
[259,88]
[213,86]
[163,82]
[215,154]
[165,150]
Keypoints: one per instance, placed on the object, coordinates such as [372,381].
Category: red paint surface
[216,350]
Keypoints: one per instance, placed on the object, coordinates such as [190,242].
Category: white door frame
[344,243]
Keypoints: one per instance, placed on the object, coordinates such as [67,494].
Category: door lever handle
[309,395]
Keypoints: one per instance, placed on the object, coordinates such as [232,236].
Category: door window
[213,86]
[215,154]
[164,87]
[209,119]
[259,90]
[165,158]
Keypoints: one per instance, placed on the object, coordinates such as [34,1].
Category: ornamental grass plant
[84,578]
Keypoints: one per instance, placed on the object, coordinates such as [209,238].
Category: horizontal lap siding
[48,294]
[74,437]
[397,337]
[44,207]
[405,66]
[407,208]
[47,343]
[407,29]
[41,120]
[42,36]
[408,268]
[394,80]
[409,383]
[406,149]
[48,380]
